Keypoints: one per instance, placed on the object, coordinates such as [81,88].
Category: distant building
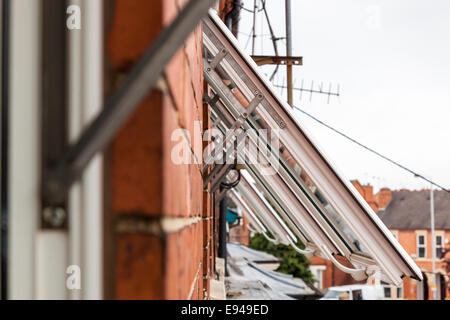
[239,232]
[407,214]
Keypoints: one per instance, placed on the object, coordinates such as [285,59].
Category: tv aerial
[333,90]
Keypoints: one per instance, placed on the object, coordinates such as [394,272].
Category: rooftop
[250,281]
[411,210]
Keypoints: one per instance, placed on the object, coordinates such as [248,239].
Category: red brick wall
[162,217]
[241,234]
[407,239]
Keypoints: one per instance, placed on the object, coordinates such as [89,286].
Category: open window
[287,177]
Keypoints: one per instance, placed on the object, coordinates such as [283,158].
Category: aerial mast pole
[289,52]
[255,10]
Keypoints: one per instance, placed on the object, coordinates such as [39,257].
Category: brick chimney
[358,186]
[383,197]
[367,192]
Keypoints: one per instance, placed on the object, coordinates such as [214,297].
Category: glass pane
[274,203]
[357,295]
[421,252]
[399,292]
[294,170]
[332,294]
[332,215]
[387,292]
[439,253]
[438,240]
[421,239]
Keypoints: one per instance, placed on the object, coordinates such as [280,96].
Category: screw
[54,216]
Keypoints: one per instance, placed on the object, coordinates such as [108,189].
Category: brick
[176,75]
[137,160]
[170,11]
[139,267]
[183,254]
[136,24]
[176,188]
[183,186]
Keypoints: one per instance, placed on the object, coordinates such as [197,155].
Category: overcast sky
[392,62]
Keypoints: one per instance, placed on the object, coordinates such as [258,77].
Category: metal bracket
[218,58]
[215,184]
[54,123]
[234,135]
[220,170]
[227,96]
[230,137]
[277,60]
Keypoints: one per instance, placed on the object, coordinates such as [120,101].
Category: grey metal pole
[433,244]
[288,28]
[255,10]
[289,52]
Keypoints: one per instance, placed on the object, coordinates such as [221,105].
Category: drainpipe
[223,232]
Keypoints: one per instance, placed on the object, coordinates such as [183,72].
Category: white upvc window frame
[393,290]
[317,271]
[387,287]
[325,242]
[270,219]
[423,246]
[263,209]
[399,289]
[303,225]
[384,249]
[296,207]
[439,248]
